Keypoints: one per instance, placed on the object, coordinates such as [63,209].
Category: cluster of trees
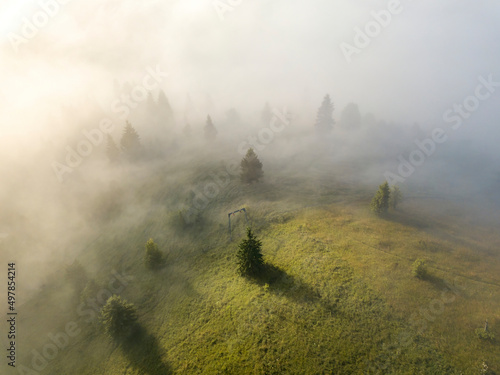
[385,198]
[130,145]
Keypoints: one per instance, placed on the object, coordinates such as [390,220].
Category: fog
[69,74]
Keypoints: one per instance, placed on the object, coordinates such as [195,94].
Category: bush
[118,317]
[153,257]
[419,269]
[486,335]
[380,202]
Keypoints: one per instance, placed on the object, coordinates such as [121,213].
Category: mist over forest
[412,89]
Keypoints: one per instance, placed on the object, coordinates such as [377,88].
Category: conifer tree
[250,259]
[118,317]
[251,167]
[130,142]
[210,131]
[324,120]
[112,150]
[350,117]
[380,202]
[166,113]
[153,257]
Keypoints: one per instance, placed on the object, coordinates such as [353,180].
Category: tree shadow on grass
[145,353]
[280,282]
[402,217]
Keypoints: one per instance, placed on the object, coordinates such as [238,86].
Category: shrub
[380,202]
[419,269]
[484,334]
[118,317]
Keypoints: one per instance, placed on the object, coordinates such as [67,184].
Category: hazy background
[286,52]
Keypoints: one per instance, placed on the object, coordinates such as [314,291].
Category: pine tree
[112,150]
[250,259]
[166,113]
[210,131]
[130,142]
[118,317]
[251,167]
[396,197]
[380,202]
[153,257]
[324,120]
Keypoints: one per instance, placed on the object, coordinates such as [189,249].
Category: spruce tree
[251,167]
[380,202]
[153,257]
[118,317]
[324,120]
[250,259]
[166,114]
[210,131]
[130,142]
[112,150]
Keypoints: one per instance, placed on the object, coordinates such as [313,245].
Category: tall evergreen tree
[380,202]
[130,142]
[251,167]
[210,131]
[250,259]
[112,150]
[324,120]
[166,113]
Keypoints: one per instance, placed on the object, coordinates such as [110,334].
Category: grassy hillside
[341,298]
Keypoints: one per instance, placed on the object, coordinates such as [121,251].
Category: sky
[428,56]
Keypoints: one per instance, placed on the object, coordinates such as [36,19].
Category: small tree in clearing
[118,317]
[380,202]
[251,167]
[250,260]
[153,257]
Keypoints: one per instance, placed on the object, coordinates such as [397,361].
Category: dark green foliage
[250,260]
[380,202]
[153,257]
[419,269]
[112,150]
[324,120]
[118,317]
[251,167]
[395,197]
[130,142]
[210,131]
